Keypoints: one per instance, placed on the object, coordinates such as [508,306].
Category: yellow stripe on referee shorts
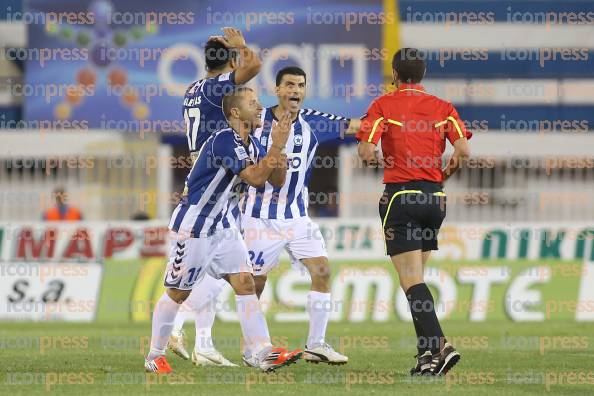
[397,193]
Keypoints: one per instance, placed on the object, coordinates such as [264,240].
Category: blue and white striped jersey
[213,187]
[291,200]
[202,108]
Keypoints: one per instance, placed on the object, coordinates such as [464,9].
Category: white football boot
[324,353]
[176,345]
[210,358]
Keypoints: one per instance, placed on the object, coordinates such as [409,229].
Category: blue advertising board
[125,65]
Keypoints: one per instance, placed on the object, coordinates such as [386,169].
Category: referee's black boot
[443,361]
[423,366]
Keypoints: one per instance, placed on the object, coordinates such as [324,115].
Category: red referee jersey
[413,126]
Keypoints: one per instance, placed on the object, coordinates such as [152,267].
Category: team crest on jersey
[241,153]
[298,140]
[264,141]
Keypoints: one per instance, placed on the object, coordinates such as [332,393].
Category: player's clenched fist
[280,131]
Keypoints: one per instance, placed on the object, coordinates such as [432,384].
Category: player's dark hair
[289,70]
[217,55]
[232,98]
[410,65]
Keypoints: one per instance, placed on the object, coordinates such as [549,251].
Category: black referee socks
[421,347]
[422,307]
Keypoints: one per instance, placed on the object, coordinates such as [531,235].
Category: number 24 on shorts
[259,260]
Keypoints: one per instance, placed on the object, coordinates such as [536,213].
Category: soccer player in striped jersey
[205,238]
[229,63]
[276,218]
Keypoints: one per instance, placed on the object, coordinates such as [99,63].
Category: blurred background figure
[62,211]
[140,215]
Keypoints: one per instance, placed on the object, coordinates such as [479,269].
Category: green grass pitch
[498,358]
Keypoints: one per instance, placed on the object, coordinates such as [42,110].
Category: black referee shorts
[412,214]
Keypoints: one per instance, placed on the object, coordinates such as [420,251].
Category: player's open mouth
[294,100]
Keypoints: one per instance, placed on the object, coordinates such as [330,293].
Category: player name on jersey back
[192,101]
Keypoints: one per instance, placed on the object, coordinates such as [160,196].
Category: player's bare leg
[254,327]
[260,282]
[425,258]
[319,306]
[200,305]
[436,356]
[409,266]
[163,317]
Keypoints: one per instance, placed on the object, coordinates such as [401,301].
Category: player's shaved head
[409,64]
[233,99]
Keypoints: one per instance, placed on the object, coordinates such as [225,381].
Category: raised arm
[273,167]
[279,174]
[249,63]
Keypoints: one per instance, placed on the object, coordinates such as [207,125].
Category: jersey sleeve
[454,126]
[229,152]
[218,87]
[324,125]
[261,149]
[372,124]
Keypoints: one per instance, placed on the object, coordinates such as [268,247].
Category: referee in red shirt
[413,127]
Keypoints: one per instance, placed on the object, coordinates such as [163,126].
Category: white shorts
[222,253]
[266,238]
